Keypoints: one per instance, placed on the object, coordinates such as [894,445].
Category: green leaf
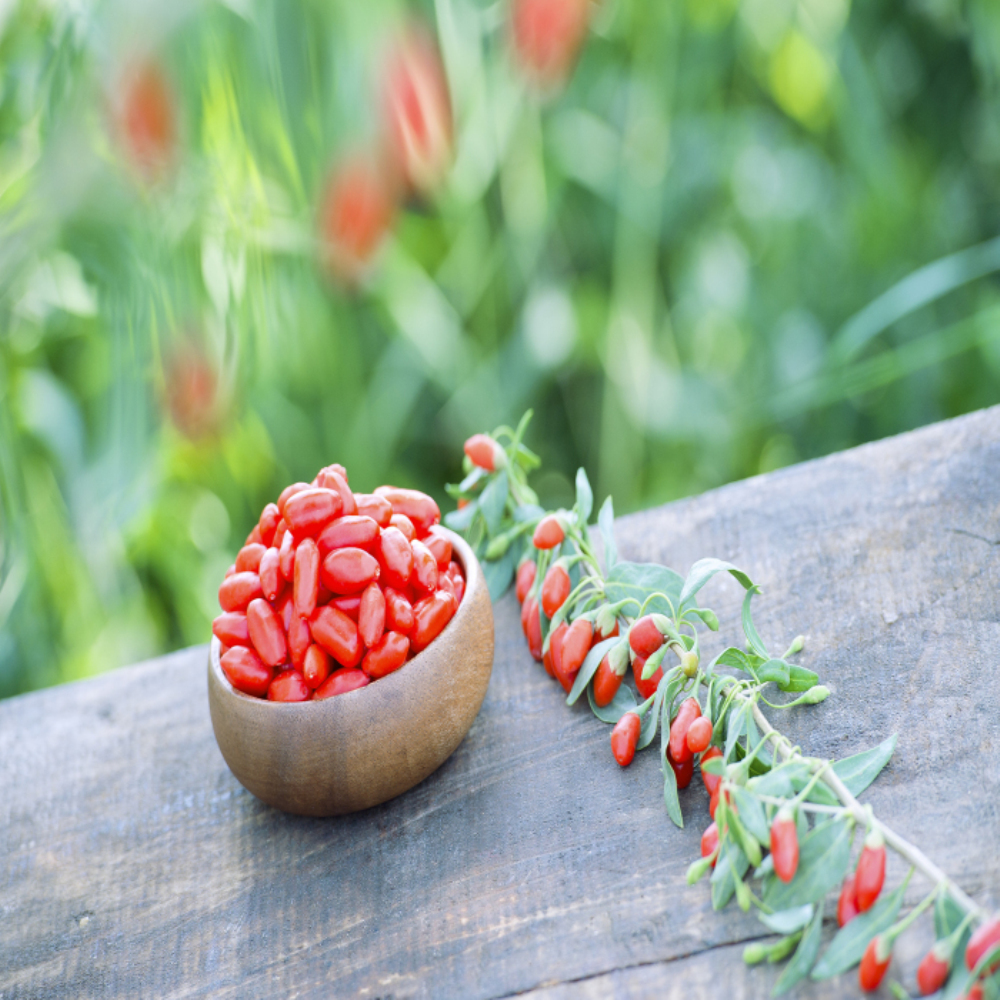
[670,795]
[735,725]
[499,574]
[788,921]
[584,496]
[623,701]
[526,458]
[752,816]
[471,479]
[777,783]
[859,771]
[739,660]
[639,580]
[528,512]
[651,720]
[848,946]
[493,500]
[461,520]
[823,857]
[800,679]
[589,668]
[703,571]
[606,522]
[773,670]
[708,616]
[756,643]
[947,916]
[804,957]
[731,860]
[898,990]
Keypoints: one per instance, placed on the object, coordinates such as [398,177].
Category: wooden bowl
[326,758]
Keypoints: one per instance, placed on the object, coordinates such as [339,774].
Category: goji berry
[533,626]
[624,738]
[315,666]
[349,507]
[646,688]
[248,558]
[286,556]
[425,569]
[554,654]
[377,508]
[874,964]
[785,845]
[306,578]
[984,939]
[712,781]
[686,714]
[933,970]
[337,634]
[548,533]
[371,615]
[355,531]
[341,681]
[526,573]
[699,734]
[555,589]
[238,590]
[547,34]
[147,118]
[683,770]
[350,604]
[644,637]
[387,655]
[405,525]
[348,571]
[847,903]
[309,511]
[231,629]
[288,492]
[485,452]
[421,509]
[574,648]
[398,612]
[333,476]
[439,543]
[710,841]
[606,683]
[430,616]
[299,640]
[870,873]
[246,672]
[266,632]
[395,557]
[289,685]
[271,581]
[270,518]
[600,636]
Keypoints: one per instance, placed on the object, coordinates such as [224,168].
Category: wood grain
[135,865]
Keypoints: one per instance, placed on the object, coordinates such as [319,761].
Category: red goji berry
[425,569]
[573,651]
[624,738]
[309,511]
[246,672]
[248,558]
[350,604]
[847,903]
[238,590]
[699,735]
[984,939]
[421,509]
[354,531]
[299,640]
[289,685]
[549,533]
[644,637]
[683,770]
[430,616]
[533,627]
[710,841]
[606,683]
[337,634]
[785,845]
[231,629]
[270,518]
[554,655]
[458,580]
[286,556]
[328,476]
[526,573]
[288,492]
[147,118]
[271,581]
[377,508]
[266,632]
[371,615]
[349,571]
[485,452]
[547,35]
[305,588]
[405,525]
[686,714]
[712,781]
[874,964]
[646,688]
[387,655]
[341,681]
[315,666]
[398,612]
[933,970]
[439,543]
[555,589]
[600,636]
[395,557]
[716,798]
[869,876]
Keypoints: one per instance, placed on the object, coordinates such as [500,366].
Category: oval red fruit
[526,573]
[377,508]
[398,611]
[874,964]
[869,876]
[289,685]
[644,637]
[395,557]
[315,666]
[309,511]
[847,903]
[348,571]
[371,615]
[306,585]
[246,672]
[430,616]
[231,629]
[341,681]
[555,589]
[270,517]
[985,938]
[421,509]
[337,634]
[238,590]
[699,735]
[425,568]
[388,655]
[785,846]
[266,633]
[624,738]
[606,683]
[248,558]
[405,525]
[548,533]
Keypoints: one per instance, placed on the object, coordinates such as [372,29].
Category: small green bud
[742,895]
[618,658]
[653,663]
[784,947]
[605,620]
[815,695]
[796,647]
[498,547]
[663,624]
[697,869]
[689,663]
[754,953]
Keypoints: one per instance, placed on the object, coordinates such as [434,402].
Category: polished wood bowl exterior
[326,758]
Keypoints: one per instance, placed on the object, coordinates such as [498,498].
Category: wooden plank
[135,865]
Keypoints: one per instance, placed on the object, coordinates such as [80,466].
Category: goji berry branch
[781,820]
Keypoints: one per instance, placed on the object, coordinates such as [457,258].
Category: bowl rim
[474,579]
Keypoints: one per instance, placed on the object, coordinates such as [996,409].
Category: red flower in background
[191,390]
[147,118]
[418,110]
[356,212]
[547,35]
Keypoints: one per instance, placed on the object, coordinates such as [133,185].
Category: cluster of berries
[335,589]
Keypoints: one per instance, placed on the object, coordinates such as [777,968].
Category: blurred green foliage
[663,259]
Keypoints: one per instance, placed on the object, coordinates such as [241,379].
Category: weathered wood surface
[133,864]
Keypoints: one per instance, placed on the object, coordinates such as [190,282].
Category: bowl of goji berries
[354,647]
